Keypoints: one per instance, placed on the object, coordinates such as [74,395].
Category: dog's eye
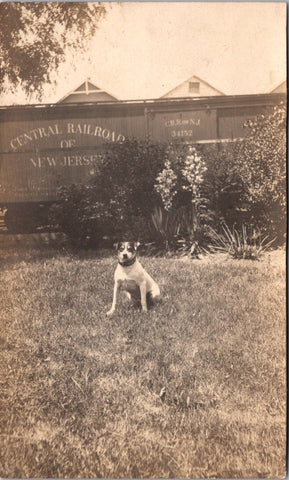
[130,249]
[121,249]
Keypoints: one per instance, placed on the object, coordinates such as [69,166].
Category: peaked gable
[87,92]
[281,88]
[86,86]
[193,87]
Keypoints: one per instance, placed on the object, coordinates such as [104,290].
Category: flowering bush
[166,185]
[181,188]
[193,173]
[261,165]
[197,187]
[184,170]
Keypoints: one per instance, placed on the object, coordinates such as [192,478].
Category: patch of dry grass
[81,393]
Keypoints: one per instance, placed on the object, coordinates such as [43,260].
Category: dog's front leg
[143,296]
[114,299]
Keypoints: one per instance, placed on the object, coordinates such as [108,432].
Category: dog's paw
[110,313]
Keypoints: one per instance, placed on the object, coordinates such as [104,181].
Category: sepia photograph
[143,234]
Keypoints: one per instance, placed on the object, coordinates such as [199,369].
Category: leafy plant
[166,227]
[181,188]
[240,245]
[222,186]
[83,218]
[120,198]
[261,165]
[126,179]
[192,232]
[166,185]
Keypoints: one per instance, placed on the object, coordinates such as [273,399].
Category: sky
[144,49]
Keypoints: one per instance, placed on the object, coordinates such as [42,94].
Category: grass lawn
[81,393]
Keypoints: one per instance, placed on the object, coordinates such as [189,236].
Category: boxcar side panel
[39,155]
[183,125]
[231,121]
[43,147]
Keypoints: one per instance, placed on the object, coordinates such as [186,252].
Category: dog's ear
[136,245]
[117,245]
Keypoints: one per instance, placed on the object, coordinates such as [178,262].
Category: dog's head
[126,252]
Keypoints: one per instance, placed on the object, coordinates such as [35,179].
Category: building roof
[87,92]
[193,87]
[281,88]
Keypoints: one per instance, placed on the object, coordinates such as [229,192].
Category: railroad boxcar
[43,147]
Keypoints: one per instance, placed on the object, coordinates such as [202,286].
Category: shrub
[261,165]
[84,219]
[245,181]
[128,173]
[240,245]
[222,185]
[173,194]
[119,199]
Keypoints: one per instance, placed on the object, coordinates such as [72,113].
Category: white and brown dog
[131,277]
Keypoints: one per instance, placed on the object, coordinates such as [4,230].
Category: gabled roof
[281,88]
[194,78]
[87,92]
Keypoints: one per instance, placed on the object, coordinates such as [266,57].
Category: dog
[131,277]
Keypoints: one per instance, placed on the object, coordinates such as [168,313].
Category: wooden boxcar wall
[43,147]
[207,120]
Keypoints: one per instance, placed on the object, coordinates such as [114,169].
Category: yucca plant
[166,226]
[241,245]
